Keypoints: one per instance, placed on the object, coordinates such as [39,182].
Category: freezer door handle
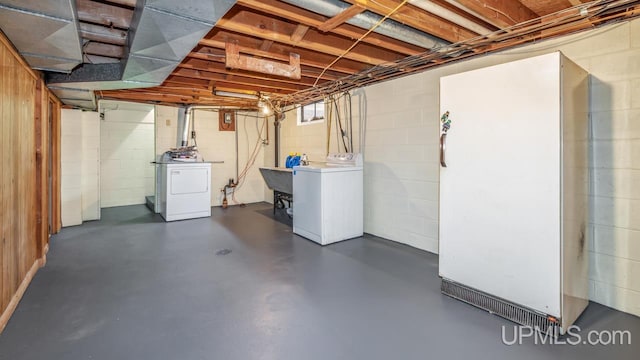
[443,148]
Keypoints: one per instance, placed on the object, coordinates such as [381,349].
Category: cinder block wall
[401,154]
[216,145]
[126,150]
[71,167]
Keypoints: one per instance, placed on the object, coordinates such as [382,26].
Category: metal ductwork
[452,16]
[368,19]
[52,41]
[162,34]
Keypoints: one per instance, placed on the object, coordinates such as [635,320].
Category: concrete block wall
[71,167]
[216,145]
[166,129]
[310,139]
[80,166]
[401,154]
[127,139]
[250,129]
[90,165]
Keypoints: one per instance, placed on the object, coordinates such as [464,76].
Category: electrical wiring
[570,20]
[347,96]
[342,132]
[375,26]
[327,110]
[250,160]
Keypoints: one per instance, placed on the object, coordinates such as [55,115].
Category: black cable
[344,143]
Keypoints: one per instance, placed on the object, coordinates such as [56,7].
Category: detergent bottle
[295,160]
[287,162]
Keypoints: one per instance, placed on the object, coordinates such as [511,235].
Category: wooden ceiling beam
[103,34]
[236,87]
[160,98]
[202,83]
[176,90]
[129,3]
[269,28]
[234,60]
[219,68]
[173,84]
[420,20]
[149,96]
[242,80]
[455,7]
[312,19]
[104,14]
[266,45]
[298,33]
[306,71]
[502,13]
[159,95]
[202,61]
[249,45]
[341,18]
[108,50]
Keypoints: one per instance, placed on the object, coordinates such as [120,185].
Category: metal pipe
[473,13]
[447,14]
[367,20]
[185,129]
[235,116]
[276,137]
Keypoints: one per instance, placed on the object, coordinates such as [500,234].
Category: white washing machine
[328,199]
[185,190]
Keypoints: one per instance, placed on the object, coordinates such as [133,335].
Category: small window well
[311,113]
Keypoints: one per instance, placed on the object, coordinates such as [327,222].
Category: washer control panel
[344,159]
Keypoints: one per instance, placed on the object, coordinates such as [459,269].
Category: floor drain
[223,252]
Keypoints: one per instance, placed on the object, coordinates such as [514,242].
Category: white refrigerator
[513,190]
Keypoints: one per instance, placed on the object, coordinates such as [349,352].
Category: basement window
[311,113]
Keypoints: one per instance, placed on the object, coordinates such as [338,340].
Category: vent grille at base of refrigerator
[510,311]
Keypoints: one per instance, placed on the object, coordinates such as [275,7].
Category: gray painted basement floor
[133,287]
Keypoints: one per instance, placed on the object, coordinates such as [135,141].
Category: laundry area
[320,179]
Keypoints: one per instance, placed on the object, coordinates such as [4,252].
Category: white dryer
[328,199]
[185,190]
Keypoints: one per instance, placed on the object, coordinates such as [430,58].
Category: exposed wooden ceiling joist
[298,33]
[305,17]
[266,28]
[103,34]
[106,50]
[129,3]
[233,60]
[104,14]
[269,30]
[341,18]
[420,20]
[215,56]
[503,13]
[250,45]
[197,64]
[273,86]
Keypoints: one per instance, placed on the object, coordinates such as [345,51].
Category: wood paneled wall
[24,175]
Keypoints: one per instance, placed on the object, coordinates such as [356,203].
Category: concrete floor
[133,287]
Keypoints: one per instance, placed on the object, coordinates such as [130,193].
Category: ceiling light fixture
[235,95]
[265,105]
